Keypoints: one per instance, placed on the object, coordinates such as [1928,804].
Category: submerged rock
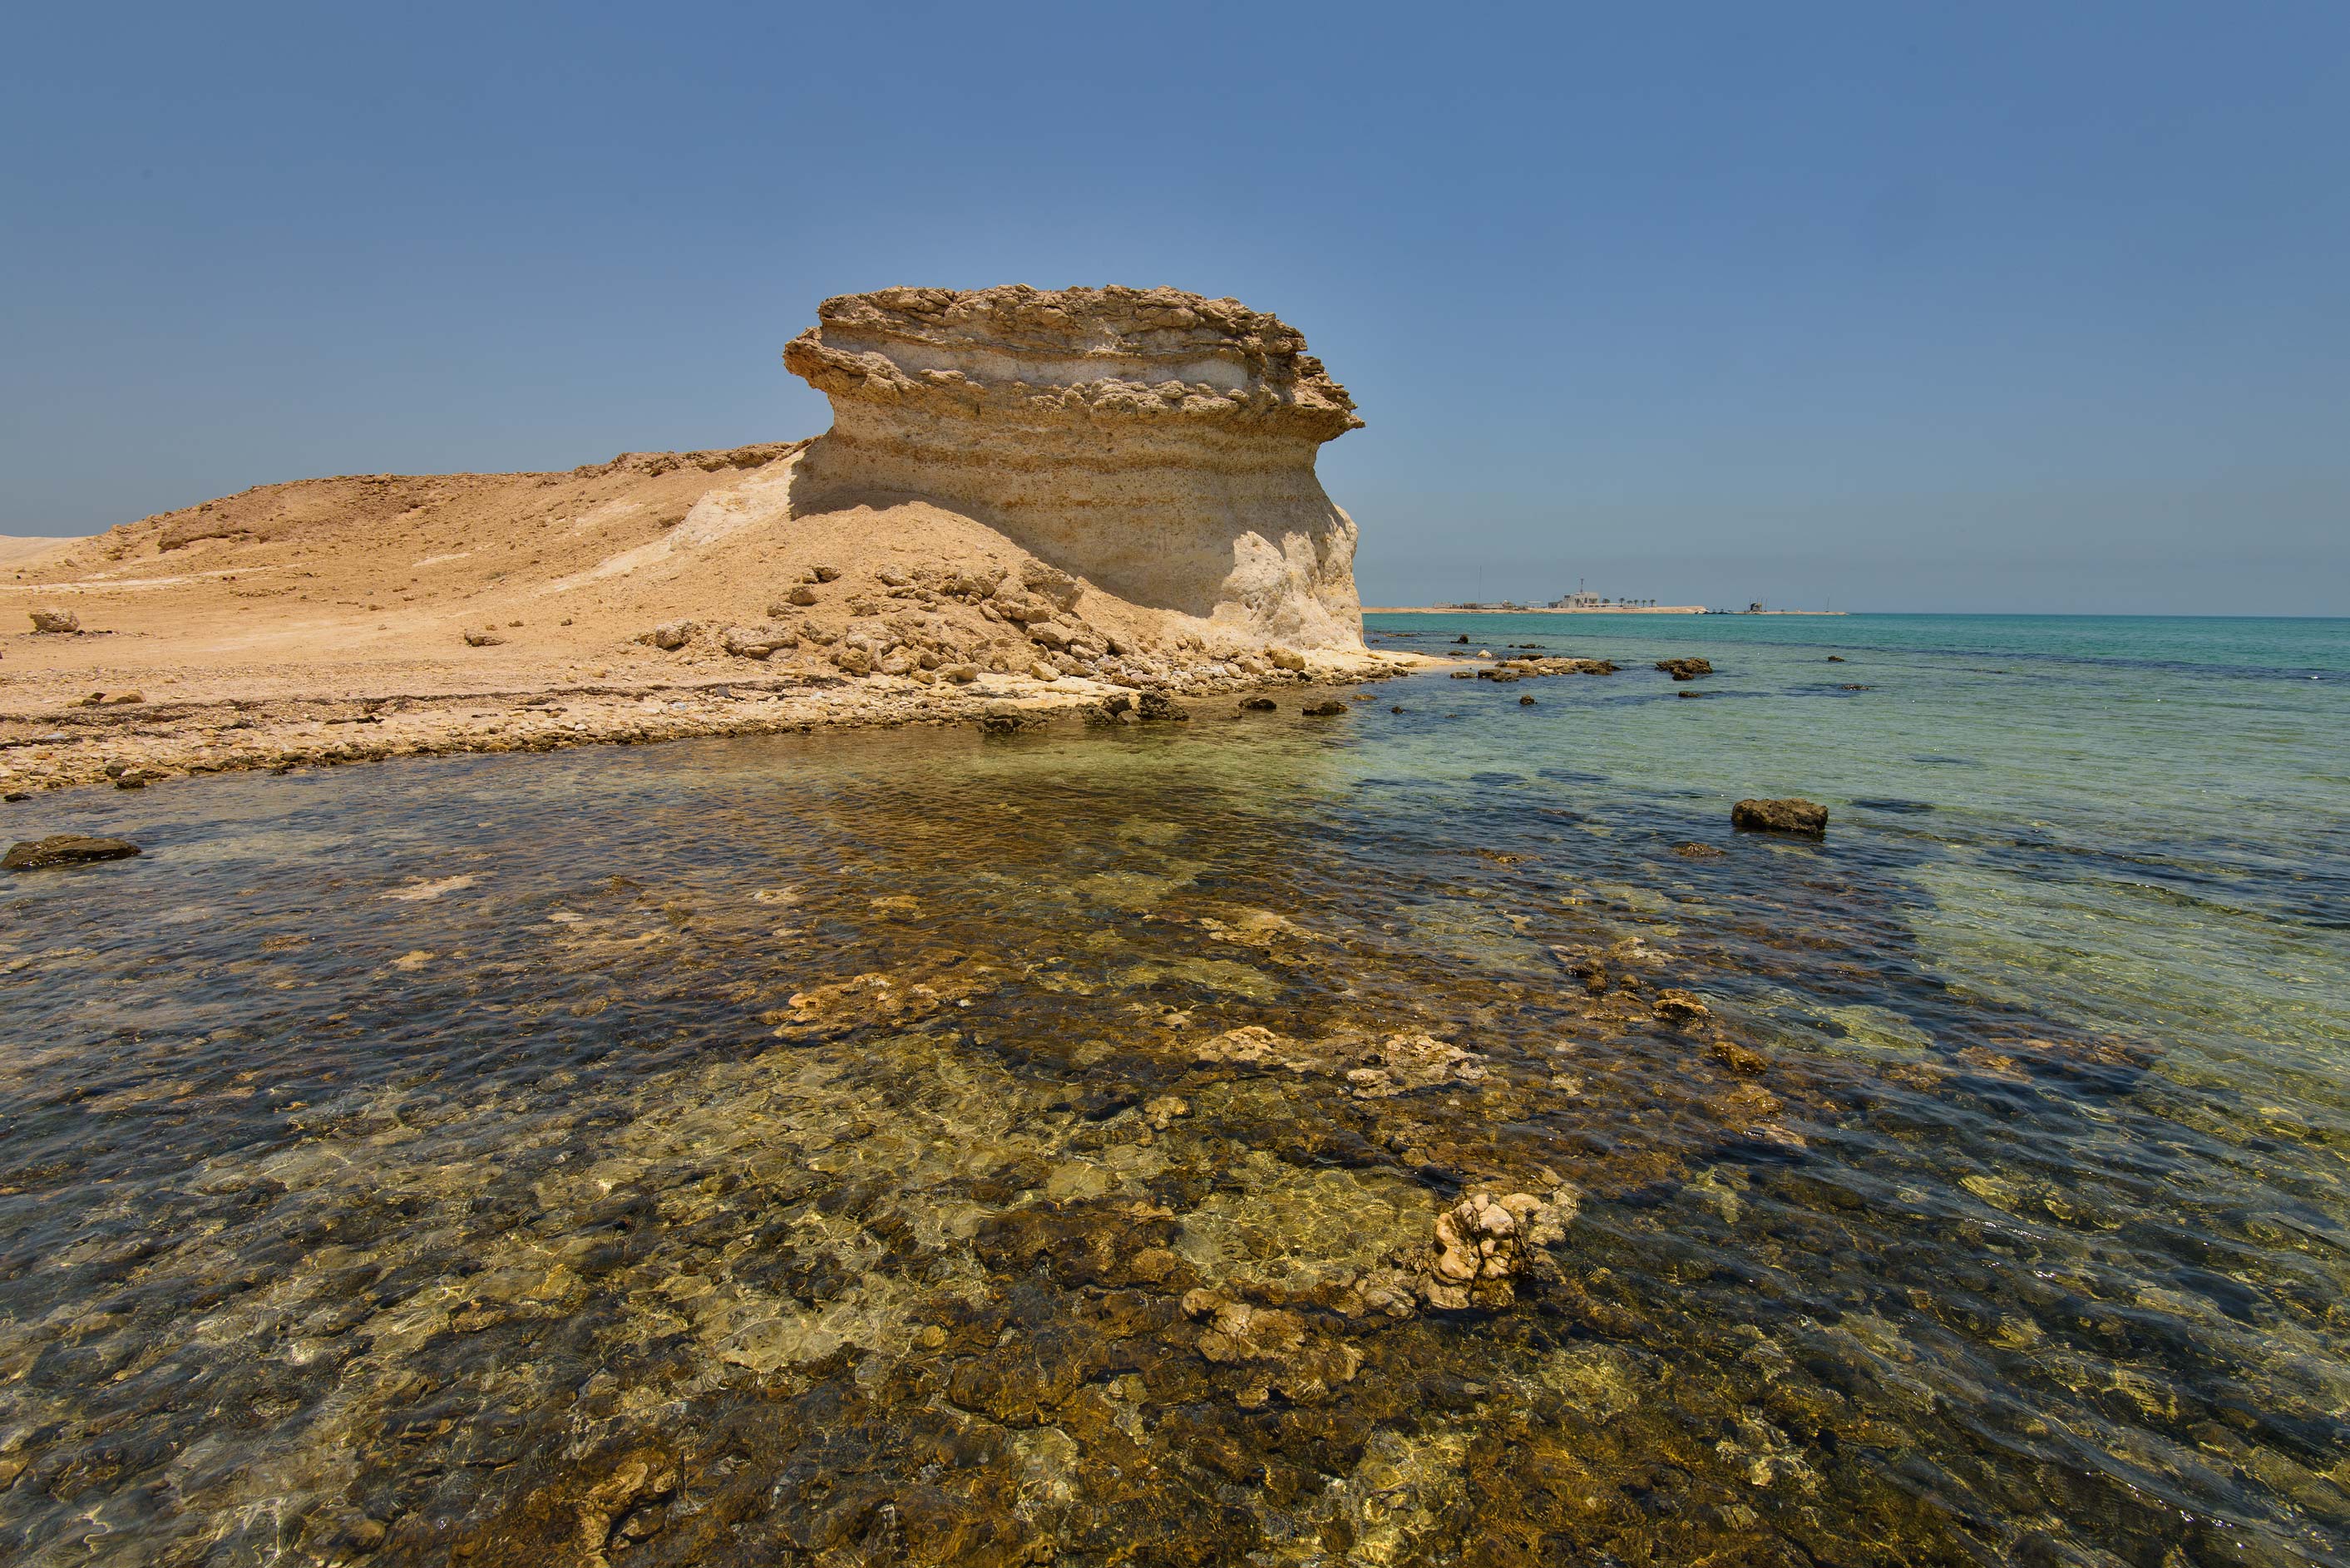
[1793,815]
[1157,707]
[1737,1057]
[64,849]
[1404,1062]
[1259,704]
[1681,1007]
[1684,668]
[1323,709]
[1485,1244]
[1249,1046]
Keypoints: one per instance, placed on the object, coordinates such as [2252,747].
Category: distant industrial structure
[1580,600]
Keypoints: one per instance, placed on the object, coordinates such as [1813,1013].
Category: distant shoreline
[1546,609]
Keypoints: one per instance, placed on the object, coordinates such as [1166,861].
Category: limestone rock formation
[1157,445]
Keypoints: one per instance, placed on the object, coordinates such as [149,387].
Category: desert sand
[329,620]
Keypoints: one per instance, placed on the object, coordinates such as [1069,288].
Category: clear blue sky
[1966,307]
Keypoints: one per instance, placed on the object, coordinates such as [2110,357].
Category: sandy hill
[372,582]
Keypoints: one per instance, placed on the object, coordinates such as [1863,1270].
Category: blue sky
[1988,306]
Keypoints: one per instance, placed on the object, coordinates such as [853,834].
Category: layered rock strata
[1156,444]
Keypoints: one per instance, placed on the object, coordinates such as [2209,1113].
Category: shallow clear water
[431,1161]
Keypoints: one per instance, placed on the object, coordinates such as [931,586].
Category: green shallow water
[815,1149]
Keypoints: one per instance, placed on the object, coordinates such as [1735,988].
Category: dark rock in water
[1525,702]
[1684,668]
[1835,659]
[1855,687]
[1737,1057]
[1158,707]
[1464,675]
[1006,720]
[1098,713]
[1396,709]
[1461,639]
[1259,704]
[64,849]
[1323,709]
[1692,693]
[1895,805]
[1790,815]
[1696,851]
[1681,1007]
[1111,709]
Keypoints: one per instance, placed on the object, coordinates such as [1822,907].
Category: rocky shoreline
[130,742]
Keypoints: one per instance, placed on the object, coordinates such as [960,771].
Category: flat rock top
[1143,349]
[1062,321]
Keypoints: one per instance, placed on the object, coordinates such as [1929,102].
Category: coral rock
[1156,444]
[1484,1243]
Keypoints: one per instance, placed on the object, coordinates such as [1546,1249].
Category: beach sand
[368,616]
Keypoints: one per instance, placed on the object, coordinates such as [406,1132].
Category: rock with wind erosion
[1156,444]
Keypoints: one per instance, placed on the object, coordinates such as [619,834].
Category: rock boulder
[1790,815]
[64,849]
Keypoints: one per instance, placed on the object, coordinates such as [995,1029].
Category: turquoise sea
[925,1147]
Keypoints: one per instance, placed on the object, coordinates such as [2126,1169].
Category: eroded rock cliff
[1157,445]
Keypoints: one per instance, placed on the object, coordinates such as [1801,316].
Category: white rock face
[1157,445]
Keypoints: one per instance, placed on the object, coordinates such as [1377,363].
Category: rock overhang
[1157,353]
[1160,444]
